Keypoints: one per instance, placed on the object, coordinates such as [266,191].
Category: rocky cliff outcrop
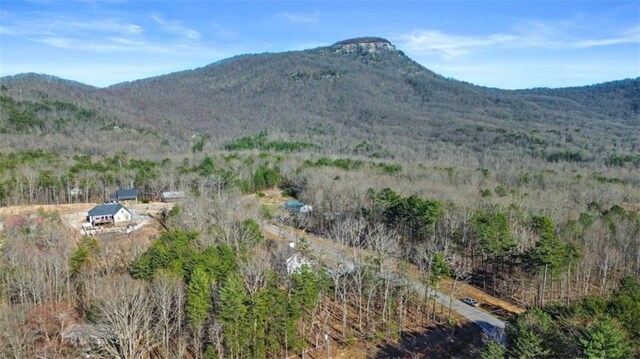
[364,45]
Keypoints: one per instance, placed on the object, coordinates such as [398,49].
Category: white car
[470,301]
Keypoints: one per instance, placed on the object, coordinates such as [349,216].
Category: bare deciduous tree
[168,299]
[125,309]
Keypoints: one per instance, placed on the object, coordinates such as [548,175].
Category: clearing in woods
[75,214]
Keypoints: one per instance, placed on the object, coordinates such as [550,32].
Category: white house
[109,213]
[295,260]
[306,209]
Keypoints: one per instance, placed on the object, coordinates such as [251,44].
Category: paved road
[491,325]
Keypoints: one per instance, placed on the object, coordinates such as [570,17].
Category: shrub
[486,193]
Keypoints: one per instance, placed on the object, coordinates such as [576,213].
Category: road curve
[489,324]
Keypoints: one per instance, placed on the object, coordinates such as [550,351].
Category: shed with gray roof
[130,194]
[172,196]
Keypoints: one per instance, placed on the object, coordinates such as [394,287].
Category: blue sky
[506,44]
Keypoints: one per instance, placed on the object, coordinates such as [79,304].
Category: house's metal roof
[293,204]
[88,331]
[107,209]
[173,195]
[127,193]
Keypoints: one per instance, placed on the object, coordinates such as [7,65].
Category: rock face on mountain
[364,45]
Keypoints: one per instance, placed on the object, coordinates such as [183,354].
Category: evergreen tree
[550,255]
[198,297]
[271,176]
[492,228]
[417,216]
[259,182]
[422,215]
[530,334]
[175,250]
[207,167]
[493,350]
[82,256]
[308,284]
[542,224]
[233,315]
[223,260]
[251,233]
[496,241]
[282,328]
[528,345]
[259,320]
[439,269]
[625,305]
[604,339]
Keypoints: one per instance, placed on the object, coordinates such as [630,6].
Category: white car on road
[470,301]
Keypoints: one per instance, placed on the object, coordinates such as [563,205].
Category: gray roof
[87,331]
[127,193]
[173,195]
[288,251]
[107,209]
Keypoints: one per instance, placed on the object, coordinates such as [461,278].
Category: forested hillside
[616,99]
[342,95]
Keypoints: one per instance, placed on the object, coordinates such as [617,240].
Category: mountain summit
[370,45]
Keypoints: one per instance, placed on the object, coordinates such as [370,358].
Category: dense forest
[416,181]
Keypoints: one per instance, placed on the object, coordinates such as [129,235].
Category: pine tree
[550,255]
[198,297]
[529,345]
[281,328]
[251,232]
[82,256]
[439,269]
[625,305]
[604,339]
[258,319]
[529,335]
[308,284]
[493,350]
[233,315]
[494,233]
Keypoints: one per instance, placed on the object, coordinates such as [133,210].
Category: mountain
[356,90]
[616,99]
